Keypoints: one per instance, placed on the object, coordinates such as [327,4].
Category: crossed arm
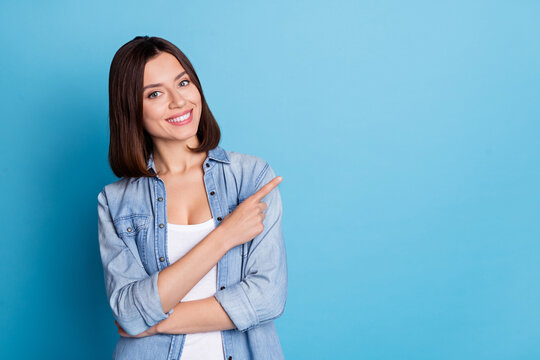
[190,317]
[141,308]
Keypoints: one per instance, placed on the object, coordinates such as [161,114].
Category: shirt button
[162,259]
[161,226]
[212,193]
[159,199]
[218,219]
[222,288]
[129,229]
[207,165]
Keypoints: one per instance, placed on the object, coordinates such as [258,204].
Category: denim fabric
[252,277]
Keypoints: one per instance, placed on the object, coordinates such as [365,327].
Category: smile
[181,120]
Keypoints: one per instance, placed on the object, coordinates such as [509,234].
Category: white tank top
[180,240]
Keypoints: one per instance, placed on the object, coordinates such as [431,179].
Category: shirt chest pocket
[133,230]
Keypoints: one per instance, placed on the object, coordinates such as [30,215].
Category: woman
[190,236]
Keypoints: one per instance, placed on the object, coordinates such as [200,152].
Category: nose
[176,100]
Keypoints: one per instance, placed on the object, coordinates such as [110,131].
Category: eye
[152,93]
[184,80]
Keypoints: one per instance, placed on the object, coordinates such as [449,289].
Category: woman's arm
[133,294]
[140,301]
[189,317]
[176,280]
[257,299]
[242,225]
[261,295]
[137,299]
[196,316]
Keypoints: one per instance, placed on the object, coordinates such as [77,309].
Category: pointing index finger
[265,190]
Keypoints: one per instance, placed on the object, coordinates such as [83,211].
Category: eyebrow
[156,85]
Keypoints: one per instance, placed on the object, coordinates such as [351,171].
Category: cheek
[151,114]
[146,120]
[195,96]
[150,122]
[146,113]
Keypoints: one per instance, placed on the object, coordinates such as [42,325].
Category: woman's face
[171,102]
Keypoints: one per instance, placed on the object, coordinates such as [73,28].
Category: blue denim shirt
[252,277]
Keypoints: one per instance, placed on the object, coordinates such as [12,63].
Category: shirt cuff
[148,303]
[236,304]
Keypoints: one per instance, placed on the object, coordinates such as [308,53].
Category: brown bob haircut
[130,144]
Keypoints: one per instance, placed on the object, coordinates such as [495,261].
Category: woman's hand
[246,220]
[149,332]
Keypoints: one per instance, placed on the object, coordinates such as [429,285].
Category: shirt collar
[216,154]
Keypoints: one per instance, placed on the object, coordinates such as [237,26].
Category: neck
[174,158]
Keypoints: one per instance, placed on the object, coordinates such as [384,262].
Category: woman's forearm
[196,316]
[175,281]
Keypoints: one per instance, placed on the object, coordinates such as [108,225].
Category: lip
[180,123]
[179,114]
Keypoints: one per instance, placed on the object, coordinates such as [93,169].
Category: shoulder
[243,159]
[126,196]
[246,173]
[247,165]
[118,188]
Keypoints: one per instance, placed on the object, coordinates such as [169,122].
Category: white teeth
[180,118]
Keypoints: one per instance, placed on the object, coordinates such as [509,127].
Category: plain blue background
[406,133]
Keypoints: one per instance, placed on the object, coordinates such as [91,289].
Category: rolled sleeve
[132,293]
[261,295]
[236,304]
